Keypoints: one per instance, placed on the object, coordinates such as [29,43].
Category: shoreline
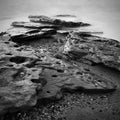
[109,30]
[58,73]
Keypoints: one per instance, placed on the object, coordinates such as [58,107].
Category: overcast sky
[14,7]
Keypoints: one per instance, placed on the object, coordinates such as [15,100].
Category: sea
[103,15]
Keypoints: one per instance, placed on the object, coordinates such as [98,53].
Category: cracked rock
[62,76]
[93,49]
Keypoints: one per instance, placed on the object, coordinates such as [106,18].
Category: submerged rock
[33,25]
[65,21]
[65,15]
[29,74]
[93,49]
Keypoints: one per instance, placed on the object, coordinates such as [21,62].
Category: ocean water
[104,15]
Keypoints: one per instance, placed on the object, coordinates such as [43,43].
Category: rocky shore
[51,69]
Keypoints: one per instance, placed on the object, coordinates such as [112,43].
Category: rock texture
[30,73]
[93,49]
[62,76]
[18,88]
[32,25]
[27,75]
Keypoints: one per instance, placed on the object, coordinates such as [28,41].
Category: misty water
[104,15]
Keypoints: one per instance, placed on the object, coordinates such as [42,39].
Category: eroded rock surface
[93,49]
[17,88]
[29,74]
[62,76]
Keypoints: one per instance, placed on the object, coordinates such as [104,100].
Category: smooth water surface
[104,15]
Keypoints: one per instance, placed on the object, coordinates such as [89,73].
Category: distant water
[104,15]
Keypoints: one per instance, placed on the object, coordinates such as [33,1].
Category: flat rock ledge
[63,21]
[29,74]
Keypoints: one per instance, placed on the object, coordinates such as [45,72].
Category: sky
[14,7]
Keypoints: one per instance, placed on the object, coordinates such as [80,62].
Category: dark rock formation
[65,15]
[31,34]
[33,25]
[64,22]
[93,49]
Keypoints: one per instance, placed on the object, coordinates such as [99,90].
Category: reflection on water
[103,14]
